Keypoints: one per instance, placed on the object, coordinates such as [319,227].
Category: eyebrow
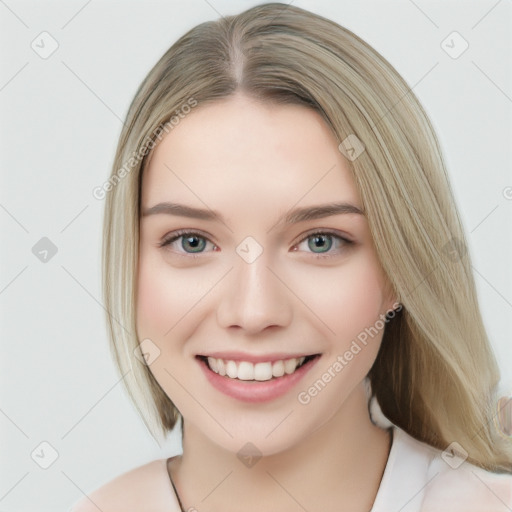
[292,217]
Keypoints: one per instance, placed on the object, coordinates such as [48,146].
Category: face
[289,304]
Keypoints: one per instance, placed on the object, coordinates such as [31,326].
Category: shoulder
[466,487]
[146,487]
[443,481]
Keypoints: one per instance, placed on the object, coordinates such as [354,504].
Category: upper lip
[254,358]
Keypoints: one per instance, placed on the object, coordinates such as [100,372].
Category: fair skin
[253,163]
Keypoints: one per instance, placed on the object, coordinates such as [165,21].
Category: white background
[60,119]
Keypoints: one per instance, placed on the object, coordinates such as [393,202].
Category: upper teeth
[244,370]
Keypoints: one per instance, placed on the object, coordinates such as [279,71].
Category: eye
[320,243]
[191,242]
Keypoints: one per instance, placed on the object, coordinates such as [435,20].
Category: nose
[254,297]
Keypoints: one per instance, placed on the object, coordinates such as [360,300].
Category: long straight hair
[435,375]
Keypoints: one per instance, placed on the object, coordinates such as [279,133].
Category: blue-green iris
[317,241]
[196,243]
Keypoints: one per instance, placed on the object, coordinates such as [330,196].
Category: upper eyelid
[327,231]
[175,235]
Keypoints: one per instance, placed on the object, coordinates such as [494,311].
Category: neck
[339,466]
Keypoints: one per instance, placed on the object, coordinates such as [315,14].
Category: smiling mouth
[256,372]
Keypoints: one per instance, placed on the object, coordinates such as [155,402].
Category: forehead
[250,156]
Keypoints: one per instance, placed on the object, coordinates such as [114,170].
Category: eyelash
[176,235]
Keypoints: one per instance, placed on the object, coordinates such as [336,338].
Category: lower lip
[256,391]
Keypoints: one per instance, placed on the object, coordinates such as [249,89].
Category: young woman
[285,273]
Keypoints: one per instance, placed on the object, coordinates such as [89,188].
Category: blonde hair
[435,375]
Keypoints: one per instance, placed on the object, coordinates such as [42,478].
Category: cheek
[347,300]
[152,301]
[350,307]
[170,301]
[360,302]
[165,315]
[161,298]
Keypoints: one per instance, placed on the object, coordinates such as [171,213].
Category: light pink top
[418,479]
